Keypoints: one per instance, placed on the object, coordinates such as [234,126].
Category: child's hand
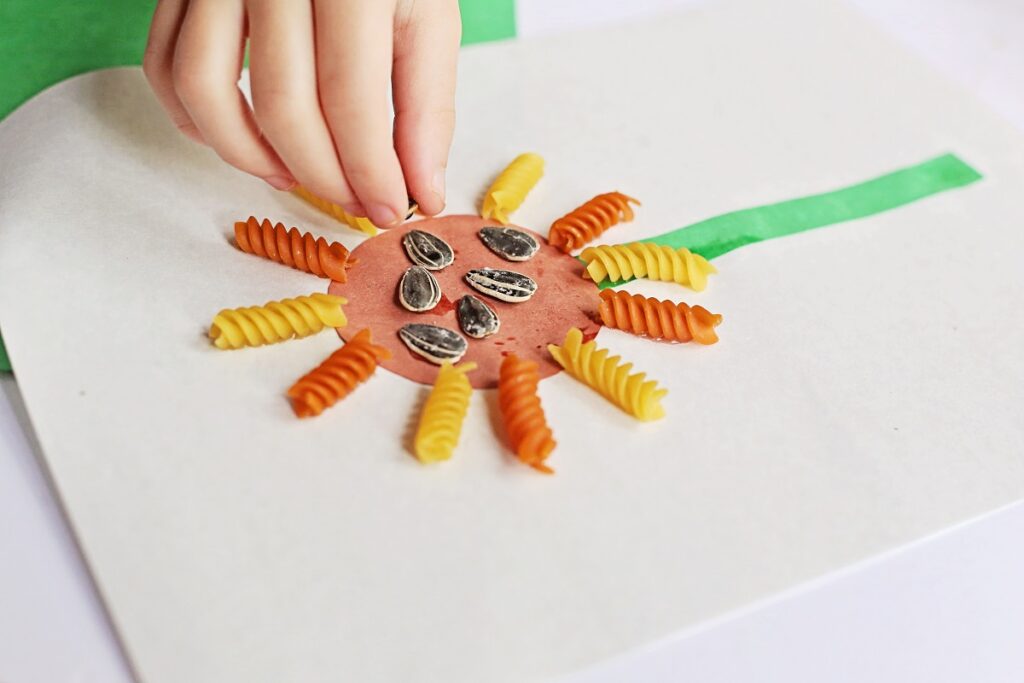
[320,72]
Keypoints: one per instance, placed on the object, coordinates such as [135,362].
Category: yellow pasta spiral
[276,321]
[608,376]
[509,189]
[617,262]
[441,421]
[336,212]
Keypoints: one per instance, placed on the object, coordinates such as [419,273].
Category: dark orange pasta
[525,424]
[586,222]
[338,376]
[658,319]
[292,248]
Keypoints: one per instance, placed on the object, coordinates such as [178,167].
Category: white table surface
[949,608]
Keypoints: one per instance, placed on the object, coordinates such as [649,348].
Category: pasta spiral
[510,188]
[292,248]
[525,424]
[276,321]
[606,375]
[336,212]
[445,409]
[658,319]
[585,222]
[338,376]
[618,262]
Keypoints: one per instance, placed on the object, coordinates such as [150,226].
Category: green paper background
[43,42]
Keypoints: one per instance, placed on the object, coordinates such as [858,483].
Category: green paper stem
[719,235]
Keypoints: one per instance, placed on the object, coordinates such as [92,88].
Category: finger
[426,58]
[354,52]
[207,63]
[282,67]
[158,59]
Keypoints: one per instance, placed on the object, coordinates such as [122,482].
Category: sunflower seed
[476,318]
[436,344]
[413,208]
[418,290]
[502,284]
[427,250]
[509,243]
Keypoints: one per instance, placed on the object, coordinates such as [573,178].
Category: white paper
[867,389]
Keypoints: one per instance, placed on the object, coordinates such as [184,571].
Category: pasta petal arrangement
[441,422]
[521,412]
[292,248]
[584,223]
[335,211]
[338,376]
[509,189]
[649,317]
[608,376]
[619,262]
[277,321]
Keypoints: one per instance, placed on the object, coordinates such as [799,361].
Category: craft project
[606,375]
[584,223]
[336,212]
[445,409]
[619,262]
[525,424]
[649,317]
[200,460]
[510,188]
[276,321]
[338,376]
[292,248]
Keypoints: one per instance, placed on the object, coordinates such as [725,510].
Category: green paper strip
[5,362]
[721,234]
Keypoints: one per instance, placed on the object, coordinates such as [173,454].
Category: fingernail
[280,182]
[437,185]
[382,215]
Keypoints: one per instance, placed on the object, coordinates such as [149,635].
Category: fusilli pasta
[338,376]
[606,375]
[336,212]
[618,262]
[445,409]
[647,316]
[292,248]
[276,321]
[585,222]
[510,188]
[525,424]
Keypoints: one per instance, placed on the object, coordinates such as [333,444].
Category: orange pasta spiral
[338,376]
[521,411]
[586,222]
[292,248]
[658,319]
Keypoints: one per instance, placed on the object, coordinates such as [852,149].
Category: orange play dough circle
[563,300]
